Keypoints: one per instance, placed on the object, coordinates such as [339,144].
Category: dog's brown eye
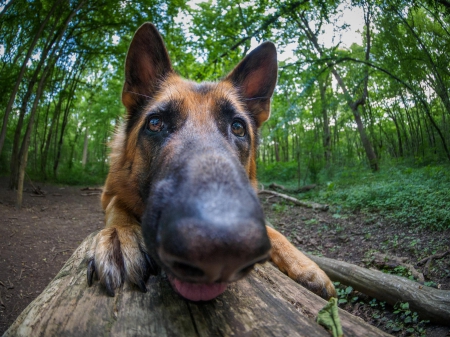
[155,124]
[237,127]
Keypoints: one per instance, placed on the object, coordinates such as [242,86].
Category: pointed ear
[255,77]
[146,66]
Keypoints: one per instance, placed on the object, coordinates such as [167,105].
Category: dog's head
[194,148]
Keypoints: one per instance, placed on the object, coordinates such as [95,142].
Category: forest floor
[36,241]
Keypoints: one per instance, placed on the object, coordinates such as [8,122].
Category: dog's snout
[210,226]
[212,252]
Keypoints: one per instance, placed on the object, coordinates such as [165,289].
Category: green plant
[279,207]
[311,222]
[344,293]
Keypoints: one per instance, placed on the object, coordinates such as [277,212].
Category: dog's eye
[237,127]
[155,124]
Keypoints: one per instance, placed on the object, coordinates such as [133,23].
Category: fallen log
[295,201]
[429,303]
[265,303]
[302,189]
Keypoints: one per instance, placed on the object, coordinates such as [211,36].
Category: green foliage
[345,294]
[415,196]
[278,171]
[406,320]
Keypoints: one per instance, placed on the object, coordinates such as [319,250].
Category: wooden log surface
[429,303]
[265,303]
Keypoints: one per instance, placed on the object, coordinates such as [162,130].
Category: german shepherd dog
[180,195]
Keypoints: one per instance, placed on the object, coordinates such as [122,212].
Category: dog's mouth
[197,291]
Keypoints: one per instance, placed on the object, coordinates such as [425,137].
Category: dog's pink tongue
[197,291]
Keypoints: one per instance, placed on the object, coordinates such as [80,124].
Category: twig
[308,204]
[36,190]
[429,259]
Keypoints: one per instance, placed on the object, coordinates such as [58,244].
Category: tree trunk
[367,145]
[85,148]
[265,303]
[326,122]
[429,303]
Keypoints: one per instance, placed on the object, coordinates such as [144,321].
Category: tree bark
[265,303]
[429,303]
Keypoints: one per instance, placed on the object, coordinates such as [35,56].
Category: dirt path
[37,240]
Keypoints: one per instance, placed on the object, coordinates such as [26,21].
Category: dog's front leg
[118,252]
[299,267]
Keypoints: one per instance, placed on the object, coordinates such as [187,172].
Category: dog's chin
[197,291]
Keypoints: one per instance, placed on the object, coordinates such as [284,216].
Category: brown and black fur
[197,168]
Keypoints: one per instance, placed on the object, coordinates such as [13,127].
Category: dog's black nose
[218,250]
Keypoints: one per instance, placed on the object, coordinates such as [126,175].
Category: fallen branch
[36,190]
[435,257]
[429,259]
[97,189]
[429,303]
[302,189]
[308,204]
[265,303]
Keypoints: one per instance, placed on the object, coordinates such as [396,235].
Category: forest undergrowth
[401,211]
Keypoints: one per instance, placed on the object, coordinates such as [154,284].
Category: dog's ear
[255,77]
[146,66]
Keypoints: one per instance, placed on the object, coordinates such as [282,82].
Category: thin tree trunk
[85,148]
[5,8]
[26,141]
[326,124]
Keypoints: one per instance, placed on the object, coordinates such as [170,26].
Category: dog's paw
[117,255]
[298,266]
[312,278]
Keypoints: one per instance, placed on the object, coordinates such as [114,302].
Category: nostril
[187,270]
